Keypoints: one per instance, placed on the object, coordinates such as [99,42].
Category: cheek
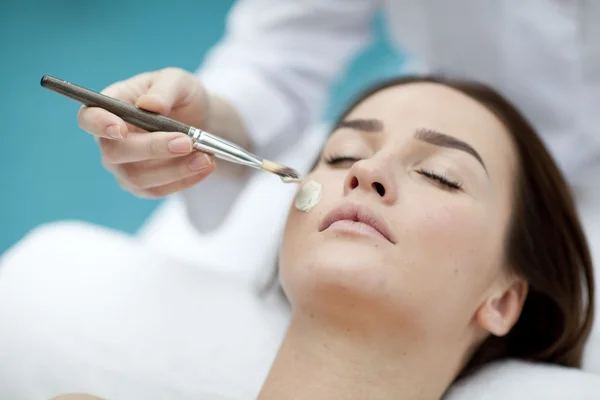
[466,226]
[298,248]
[310,259]
[451,254]
[443,231]
[306,211]
[308,196]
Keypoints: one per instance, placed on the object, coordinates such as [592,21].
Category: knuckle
[143,194]
[109,166]
[191,181]
[133,175]
[158,192]
[112,89]
[154,146]
[173,70]
[125,185]
[81,116]
[109,149]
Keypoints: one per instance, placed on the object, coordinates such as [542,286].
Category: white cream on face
[308,196]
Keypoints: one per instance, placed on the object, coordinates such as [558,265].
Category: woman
[445,238]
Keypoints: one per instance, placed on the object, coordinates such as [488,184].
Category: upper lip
[357,213]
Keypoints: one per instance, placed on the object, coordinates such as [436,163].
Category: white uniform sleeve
[275,65]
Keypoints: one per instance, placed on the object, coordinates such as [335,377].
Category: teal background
[49,168]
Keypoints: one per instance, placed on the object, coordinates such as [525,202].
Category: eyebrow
[425,135]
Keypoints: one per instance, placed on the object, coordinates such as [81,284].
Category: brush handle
[143,119]
[152,122]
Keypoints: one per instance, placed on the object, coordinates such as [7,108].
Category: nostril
[354,183]
[379,188]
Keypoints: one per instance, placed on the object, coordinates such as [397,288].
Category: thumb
[167,88]
[154,103]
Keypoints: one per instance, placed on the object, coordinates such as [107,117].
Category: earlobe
[501,309]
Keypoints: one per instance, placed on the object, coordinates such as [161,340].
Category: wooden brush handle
[143,119]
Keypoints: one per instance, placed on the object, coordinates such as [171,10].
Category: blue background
[49,168]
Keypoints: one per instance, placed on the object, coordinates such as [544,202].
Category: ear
[501,309]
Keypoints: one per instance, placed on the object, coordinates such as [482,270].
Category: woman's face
[416,202]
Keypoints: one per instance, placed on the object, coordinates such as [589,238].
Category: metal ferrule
[223,149]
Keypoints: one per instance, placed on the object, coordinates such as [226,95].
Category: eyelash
[340,159]
[443,180]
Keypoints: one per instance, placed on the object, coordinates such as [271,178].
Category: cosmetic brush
[152,122]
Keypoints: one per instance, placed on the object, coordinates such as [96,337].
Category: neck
[316,361]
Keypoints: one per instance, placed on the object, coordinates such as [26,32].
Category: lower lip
[354,228]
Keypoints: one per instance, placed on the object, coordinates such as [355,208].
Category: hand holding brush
[163,159]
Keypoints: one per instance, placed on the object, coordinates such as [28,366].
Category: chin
[338,273]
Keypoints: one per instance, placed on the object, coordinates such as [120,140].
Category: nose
[373,177]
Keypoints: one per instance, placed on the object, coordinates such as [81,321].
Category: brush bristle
[281,170]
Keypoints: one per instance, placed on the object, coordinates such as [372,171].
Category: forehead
[409,107]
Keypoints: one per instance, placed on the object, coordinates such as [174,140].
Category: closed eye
[442,180]
[332,160]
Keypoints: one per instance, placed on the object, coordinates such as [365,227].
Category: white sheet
[85,309]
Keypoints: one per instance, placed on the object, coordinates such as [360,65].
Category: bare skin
[395,315]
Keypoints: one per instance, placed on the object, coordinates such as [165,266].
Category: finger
[146,175]
[129,90]
[147,146]
[172,188]
[101,123]
[169,87]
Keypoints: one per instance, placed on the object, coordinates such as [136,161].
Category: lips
[352,217]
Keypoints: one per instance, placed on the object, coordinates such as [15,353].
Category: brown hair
[546,244]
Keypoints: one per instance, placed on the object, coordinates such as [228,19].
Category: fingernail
[180,145]
[199,162]
[114,131]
